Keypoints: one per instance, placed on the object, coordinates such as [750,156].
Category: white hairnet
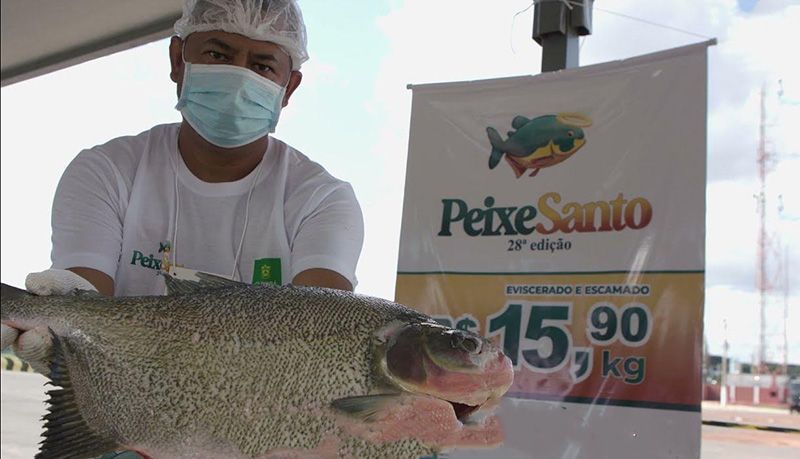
[276,21]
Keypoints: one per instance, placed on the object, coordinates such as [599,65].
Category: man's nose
[240,60]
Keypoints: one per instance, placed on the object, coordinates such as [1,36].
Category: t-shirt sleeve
[331,235]
[87,215]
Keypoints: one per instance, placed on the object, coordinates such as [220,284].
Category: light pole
[557,26]
[723,378]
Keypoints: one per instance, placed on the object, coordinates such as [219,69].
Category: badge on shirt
[267,270]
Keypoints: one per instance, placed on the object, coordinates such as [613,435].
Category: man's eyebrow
[261,56]
[220,43]
[266,57]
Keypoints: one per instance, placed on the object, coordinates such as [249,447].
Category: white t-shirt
[115,211]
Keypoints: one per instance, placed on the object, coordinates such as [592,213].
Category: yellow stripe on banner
[14,363]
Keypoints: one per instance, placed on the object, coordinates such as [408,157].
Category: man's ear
[294,81]
[176,60]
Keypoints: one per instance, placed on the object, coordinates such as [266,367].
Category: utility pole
[762,159]
[723,378]
[785,320]
[557,26]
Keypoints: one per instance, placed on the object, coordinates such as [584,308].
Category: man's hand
[35,346]
[56,282]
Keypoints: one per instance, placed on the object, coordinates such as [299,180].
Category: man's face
[216,47]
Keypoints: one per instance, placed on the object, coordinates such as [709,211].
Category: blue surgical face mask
[227,105]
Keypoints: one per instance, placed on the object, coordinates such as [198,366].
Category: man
[214,193]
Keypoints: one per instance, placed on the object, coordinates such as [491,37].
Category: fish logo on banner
[540,142]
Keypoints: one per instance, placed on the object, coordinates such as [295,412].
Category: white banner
[565,213]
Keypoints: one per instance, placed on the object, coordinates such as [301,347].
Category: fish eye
[471,344]
[465,342]
[570,133]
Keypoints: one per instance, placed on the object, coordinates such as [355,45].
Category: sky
[351,114]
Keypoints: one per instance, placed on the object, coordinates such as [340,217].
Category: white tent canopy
[42,36]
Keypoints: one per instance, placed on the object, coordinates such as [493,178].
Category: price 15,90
[538,335]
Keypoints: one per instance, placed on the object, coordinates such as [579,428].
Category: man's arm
[101,281]
[319,277]
[328,240]
[88,212]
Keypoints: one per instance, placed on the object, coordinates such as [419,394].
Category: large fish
[218,369]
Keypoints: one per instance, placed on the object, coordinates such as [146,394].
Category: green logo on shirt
[145,261]
[267,270]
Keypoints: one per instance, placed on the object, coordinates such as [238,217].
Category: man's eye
[217,56]
[262,68]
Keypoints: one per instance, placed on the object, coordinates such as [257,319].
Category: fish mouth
[475,413]
[433,421]
[463,411]
[472,402]
[576,146]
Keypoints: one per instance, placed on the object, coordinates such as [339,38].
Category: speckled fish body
[259,371]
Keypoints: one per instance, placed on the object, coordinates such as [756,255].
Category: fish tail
[497,144]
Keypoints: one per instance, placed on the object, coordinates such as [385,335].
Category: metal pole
[763,159]
[785,321]
[557,27]
[723,379]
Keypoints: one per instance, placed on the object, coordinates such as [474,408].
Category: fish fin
[212,280]
[497,145]
[494,159]
[519,121]
[184,281]
[364,407]
[66,433]
[87,294]
[8,292]
[518,170]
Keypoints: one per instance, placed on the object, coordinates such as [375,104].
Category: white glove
[56,282]
[36,345]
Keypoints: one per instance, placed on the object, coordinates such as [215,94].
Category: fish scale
[237,371]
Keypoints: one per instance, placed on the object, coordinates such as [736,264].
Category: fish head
[569,136]
[570,141]
[457,366]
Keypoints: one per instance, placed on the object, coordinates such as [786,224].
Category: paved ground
[21,406]
[760,416]
[23,403]
[741,443]
[732,443]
